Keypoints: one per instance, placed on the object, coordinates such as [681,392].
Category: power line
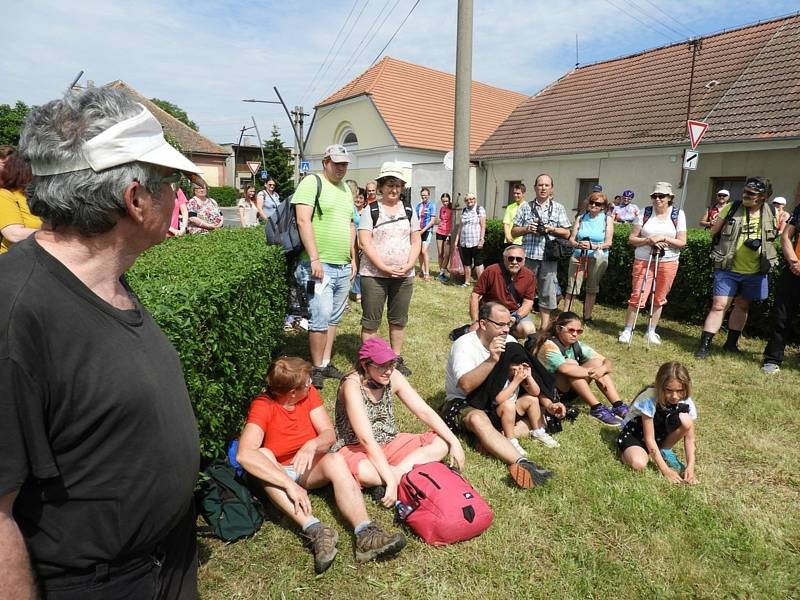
[635,18]
[395,33]
[360,49]
[341,44]
[669,16]
[335,39]
[647,15]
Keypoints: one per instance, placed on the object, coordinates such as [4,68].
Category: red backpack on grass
[444,508]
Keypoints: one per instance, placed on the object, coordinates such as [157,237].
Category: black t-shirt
[96,429]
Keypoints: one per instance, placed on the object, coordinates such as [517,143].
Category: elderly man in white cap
[99,442]
[708,218]
[781,214]
[327,267]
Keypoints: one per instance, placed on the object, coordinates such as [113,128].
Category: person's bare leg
[507,412]
[326,357]
[581,387]
[656,317]
[367,334]
[738,317]
[478,271]
[467,273]
[317,341]
[332,468]
[397,333]
[523,329]
[630,315]
[424,260]
[605,383]
[432,452]
[588,305]
[717,313]
[636,458]
[544,313]
[494,442]
[529,407]
[687,426]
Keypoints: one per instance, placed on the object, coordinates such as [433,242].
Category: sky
[207,56]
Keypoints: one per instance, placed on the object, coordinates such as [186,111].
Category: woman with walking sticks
[592,236]
[658,237]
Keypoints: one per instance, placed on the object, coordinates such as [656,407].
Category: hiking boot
[373,542]
[704,349]
[331,372]
[732,341]
[770,368]
[605,416]
[317,378]
[527,474]
[733,348]
[625,336]
[621,410]
[517,446]
[401,366]
[545,438]
[323,543]
[653,338]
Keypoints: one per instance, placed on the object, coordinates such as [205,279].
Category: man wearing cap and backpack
[327,264]
[743,254]
[98,439]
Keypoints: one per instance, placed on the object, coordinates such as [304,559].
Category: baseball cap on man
[662,187]
[337,153]
[779,200]
[597,187]
[628,194]
[723,193]
[377,350]
[136,139]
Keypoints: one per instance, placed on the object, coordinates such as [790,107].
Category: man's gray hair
[511,247]
[86,201]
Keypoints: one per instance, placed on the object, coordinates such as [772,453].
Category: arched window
[348,137]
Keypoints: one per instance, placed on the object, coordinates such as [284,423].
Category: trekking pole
[639,298]
[578,269]
[659,252]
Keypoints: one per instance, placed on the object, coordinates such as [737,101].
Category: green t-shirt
[332,229]
[508,218]
[746,261]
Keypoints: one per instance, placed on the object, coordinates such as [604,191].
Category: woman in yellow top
[16,220]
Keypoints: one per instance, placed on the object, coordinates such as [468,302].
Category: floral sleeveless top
[380,415]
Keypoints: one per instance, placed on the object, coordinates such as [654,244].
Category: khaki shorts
[597,268]
[377,291]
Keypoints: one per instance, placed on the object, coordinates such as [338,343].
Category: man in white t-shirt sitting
[472,358]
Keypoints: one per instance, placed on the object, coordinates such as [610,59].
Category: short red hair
[287,373]
[15,174]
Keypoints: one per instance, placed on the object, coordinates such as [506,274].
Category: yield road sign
[690,159]
[253,166]
[696,131]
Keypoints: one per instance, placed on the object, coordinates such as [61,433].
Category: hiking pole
[659,252]
[578,269]
[639,298]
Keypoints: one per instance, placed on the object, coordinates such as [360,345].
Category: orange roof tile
[640,100]
[418,103]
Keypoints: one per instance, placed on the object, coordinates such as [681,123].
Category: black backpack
[375,211]
[282,229]
[226,503]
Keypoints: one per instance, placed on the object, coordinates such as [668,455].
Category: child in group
[661,415]
[285,445]
[518,400]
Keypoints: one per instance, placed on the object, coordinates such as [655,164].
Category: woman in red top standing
[285,446]
[443,236]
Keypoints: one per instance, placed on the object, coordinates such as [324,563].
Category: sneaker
[331,372]
[605,416]
[317,378]
[465,285]
[323,543]
[588,321]
[653,338]
[441,276]
[517,447]
[401,366]
[527,474]
[625,336]
[770,368]
[373,542]
[621,410]
[545,438]
[672,460]
[376,492]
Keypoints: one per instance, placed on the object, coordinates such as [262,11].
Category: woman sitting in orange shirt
[16,220]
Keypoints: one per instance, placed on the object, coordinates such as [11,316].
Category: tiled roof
[418,103]
[191,141]
[640,100]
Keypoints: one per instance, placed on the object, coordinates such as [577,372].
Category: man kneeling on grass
[285,445]
[473,358]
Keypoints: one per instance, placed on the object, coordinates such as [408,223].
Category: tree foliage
[12,118]
[175,110]
[279,163]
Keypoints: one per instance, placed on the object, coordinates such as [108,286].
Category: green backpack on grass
[226,503]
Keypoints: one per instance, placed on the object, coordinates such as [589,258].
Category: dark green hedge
[690,297]
[225,195]
[220,299]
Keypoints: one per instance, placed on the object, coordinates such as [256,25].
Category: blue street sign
[305,166]
[264,175]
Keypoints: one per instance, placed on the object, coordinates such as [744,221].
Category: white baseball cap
[337,153]
[779,200]
[723,193]
[136,139]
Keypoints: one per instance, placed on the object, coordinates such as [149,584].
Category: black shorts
[665,422]
[442,237]
[471,256]
[424,237]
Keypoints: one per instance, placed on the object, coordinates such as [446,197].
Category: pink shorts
[395,451]
[664,279]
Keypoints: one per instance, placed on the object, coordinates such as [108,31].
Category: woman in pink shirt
[443,236]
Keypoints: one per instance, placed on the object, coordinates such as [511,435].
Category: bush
[225,195]
[690,297]
[220,298]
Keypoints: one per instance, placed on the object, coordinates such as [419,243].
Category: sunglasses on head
[658,196]
[518,259]
[757,186]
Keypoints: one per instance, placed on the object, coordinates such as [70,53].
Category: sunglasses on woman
[572,330]
[658,196]
[600,204]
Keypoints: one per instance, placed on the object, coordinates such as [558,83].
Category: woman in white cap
[389,239]
[658,236]
[781,215]
[708,218]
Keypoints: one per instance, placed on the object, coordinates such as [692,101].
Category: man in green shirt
[327,263]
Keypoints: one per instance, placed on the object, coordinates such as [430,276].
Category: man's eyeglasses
[572,330]
[173,180]
[518,259]
[510,324]
[658,196]
[593,203]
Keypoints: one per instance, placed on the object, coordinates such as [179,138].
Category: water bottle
[403,510]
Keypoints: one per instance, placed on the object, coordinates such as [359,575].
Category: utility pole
[463,107]
[297,124]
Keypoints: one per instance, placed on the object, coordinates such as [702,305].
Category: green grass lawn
[597,530]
